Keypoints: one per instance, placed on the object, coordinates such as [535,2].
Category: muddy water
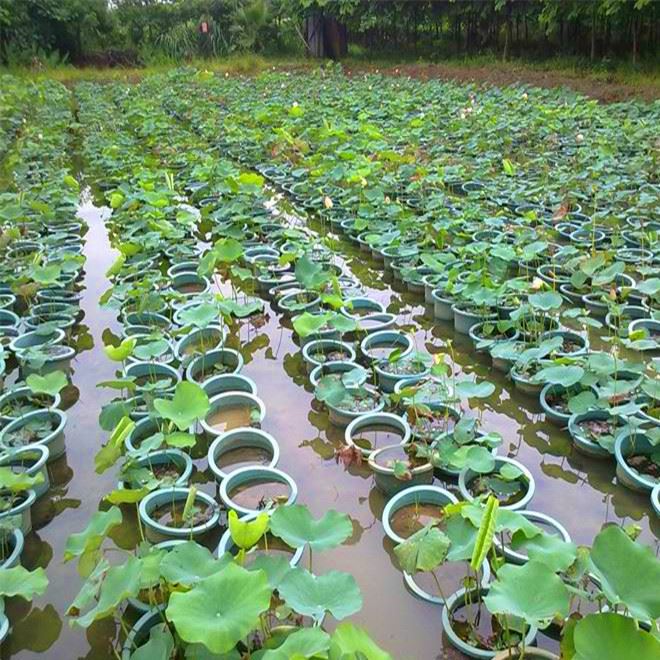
[578,491]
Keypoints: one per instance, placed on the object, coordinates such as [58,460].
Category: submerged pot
[31,460]
[456,601]
[542,520]
[229,400]
[20,515]
[243,438]
[54,440]
[157,532]
[385,477]
[251,476]
[380,420]
[628,444]
[15,541]
[467,476]
[230,361]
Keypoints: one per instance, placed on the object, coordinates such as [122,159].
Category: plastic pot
[466,476]
[323,347]
[253,476]
[33,338]
[20,516]
[59,361]
[54,440]
[385,339]
[227,544]
[456,601]
[26,394]
[583,443]
[575,337]
[179,459]
[376,419]
[200,366]
[627,443]
[156,371]
[387,381]
[551,413]
[358,307]
[336,367]
[232,400]
[16,542]
[443,306]
[241,438]
[228,383]
[31,460]
[156,532]
[189,285]
[199,342]
[385,479]
[544,521]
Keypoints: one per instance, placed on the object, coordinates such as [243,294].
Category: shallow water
[580,492]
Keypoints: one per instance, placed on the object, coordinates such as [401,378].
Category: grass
[641,80]
[245,64]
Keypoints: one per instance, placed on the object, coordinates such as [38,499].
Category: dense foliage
[127,30]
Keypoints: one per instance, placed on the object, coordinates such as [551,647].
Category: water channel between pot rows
[580,492]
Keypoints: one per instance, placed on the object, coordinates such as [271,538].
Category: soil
[332,356]
[427,428]
[402,367]
[171,515]
[483,632]
[644,464]
[607,91]
[507,492]
[594,429]
[410,519]
[359,403]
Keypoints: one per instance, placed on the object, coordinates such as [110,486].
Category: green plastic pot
[325,346]
[31,460]
[385,479]
[241,438]
[16,541]
[380,419]
[584,444]
[155,532]
[467,475]
[199,366]
[54,440]
[454,602]
[544,521]
[626,443]
[254,475]
[231,400]
[20,516]
[26,394]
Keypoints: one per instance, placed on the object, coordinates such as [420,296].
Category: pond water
[580,492]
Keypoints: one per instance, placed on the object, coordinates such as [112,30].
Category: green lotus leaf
[609,636]
[189,563]
[424,550]
[119,583]
[51,384]
[18,581]
[471,390]
[632,581]
[222,609]
[311,595]
[121,352]
[532,592]
[189,404]
[296,527]
[305,643]
[349,641]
